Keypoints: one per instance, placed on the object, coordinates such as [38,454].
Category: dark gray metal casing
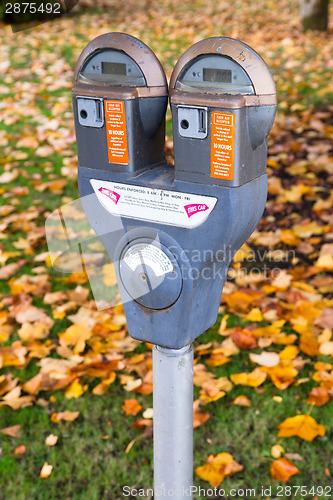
[145,135]
[238,83]
[193,156]
[173,311]
[144,96]
[235,216]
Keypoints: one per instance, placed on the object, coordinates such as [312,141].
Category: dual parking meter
[171,231]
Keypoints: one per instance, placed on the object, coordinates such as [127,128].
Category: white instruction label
[150,255]
[174,208]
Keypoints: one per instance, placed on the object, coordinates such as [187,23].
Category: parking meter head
[223,103]
[119,101]
[172,232]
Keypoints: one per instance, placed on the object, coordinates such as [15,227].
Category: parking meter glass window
[215,73]
[112,67]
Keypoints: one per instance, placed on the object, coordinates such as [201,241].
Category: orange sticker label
[116,134]
[222,147]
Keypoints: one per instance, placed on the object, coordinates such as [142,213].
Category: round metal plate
[150,273]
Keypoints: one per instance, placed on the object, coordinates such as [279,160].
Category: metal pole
[173,421]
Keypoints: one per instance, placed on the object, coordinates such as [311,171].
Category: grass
[89,460]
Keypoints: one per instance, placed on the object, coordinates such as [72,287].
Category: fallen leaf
[131,407]
[302,426]
[318,396]
[76,335]
[217,468]
[253,379]
[282,375]
[12,431]
[10,269]
[326,348]
[20,450]
[46,470]
[67,415]
[282,469]
[241,401]
[51,440]
[265,358]
[75,390]
[308,344]
[277,450]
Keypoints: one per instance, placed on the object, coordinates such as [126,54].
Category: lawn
[262,311]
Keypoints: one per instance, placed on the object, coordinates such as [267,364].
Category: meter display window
[215,73]
[112,67]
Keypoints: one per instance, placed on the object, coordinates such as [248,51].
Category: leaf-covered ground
[75,389]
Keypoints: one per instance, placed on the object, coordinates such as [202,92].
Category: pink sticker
[195,208]
[110,194]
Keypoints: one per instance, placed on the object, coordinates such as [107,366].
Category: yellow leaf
[308,229]
[75,390]
[325,262]
[288,237]
[109,275]
[302,426]
[270,330]
[282,375]
[254,315]
[76,335]
[253,379]
[289,353]
[243,253]
[308,344]
[217,468]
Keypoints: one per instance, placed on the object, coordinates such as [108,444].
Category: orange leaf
[217,359]
[200,417]
[308,344]
[318,396]
[282,469]
[13,431]
[131,407]
[302,426]
[282,375]
[244,339]
[20,450]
